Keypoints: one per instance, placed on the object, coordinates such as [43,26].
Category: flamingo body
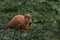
[19,22]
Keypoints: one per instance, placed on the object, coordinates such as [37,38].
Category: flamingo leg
[21,35]
[14,35]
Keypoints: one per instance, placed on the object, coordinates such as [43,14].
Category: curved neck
[26,19]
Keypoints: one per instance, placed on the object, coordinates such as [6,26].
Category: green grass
[46,13]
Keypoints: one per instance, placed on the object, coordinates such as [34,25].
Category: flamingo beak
[30,22]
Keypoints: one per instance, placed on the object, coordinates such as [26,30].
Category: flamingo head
[29,18]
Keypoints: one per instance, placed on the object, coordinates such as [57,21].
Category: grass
[45,13]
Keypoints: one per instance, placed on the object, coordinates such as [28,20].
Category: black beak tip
[30,23]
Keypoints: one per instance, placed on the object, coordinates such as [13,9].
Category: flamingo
[19,22]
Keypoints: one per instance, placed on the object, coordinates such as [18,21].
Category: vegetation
[46,18]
